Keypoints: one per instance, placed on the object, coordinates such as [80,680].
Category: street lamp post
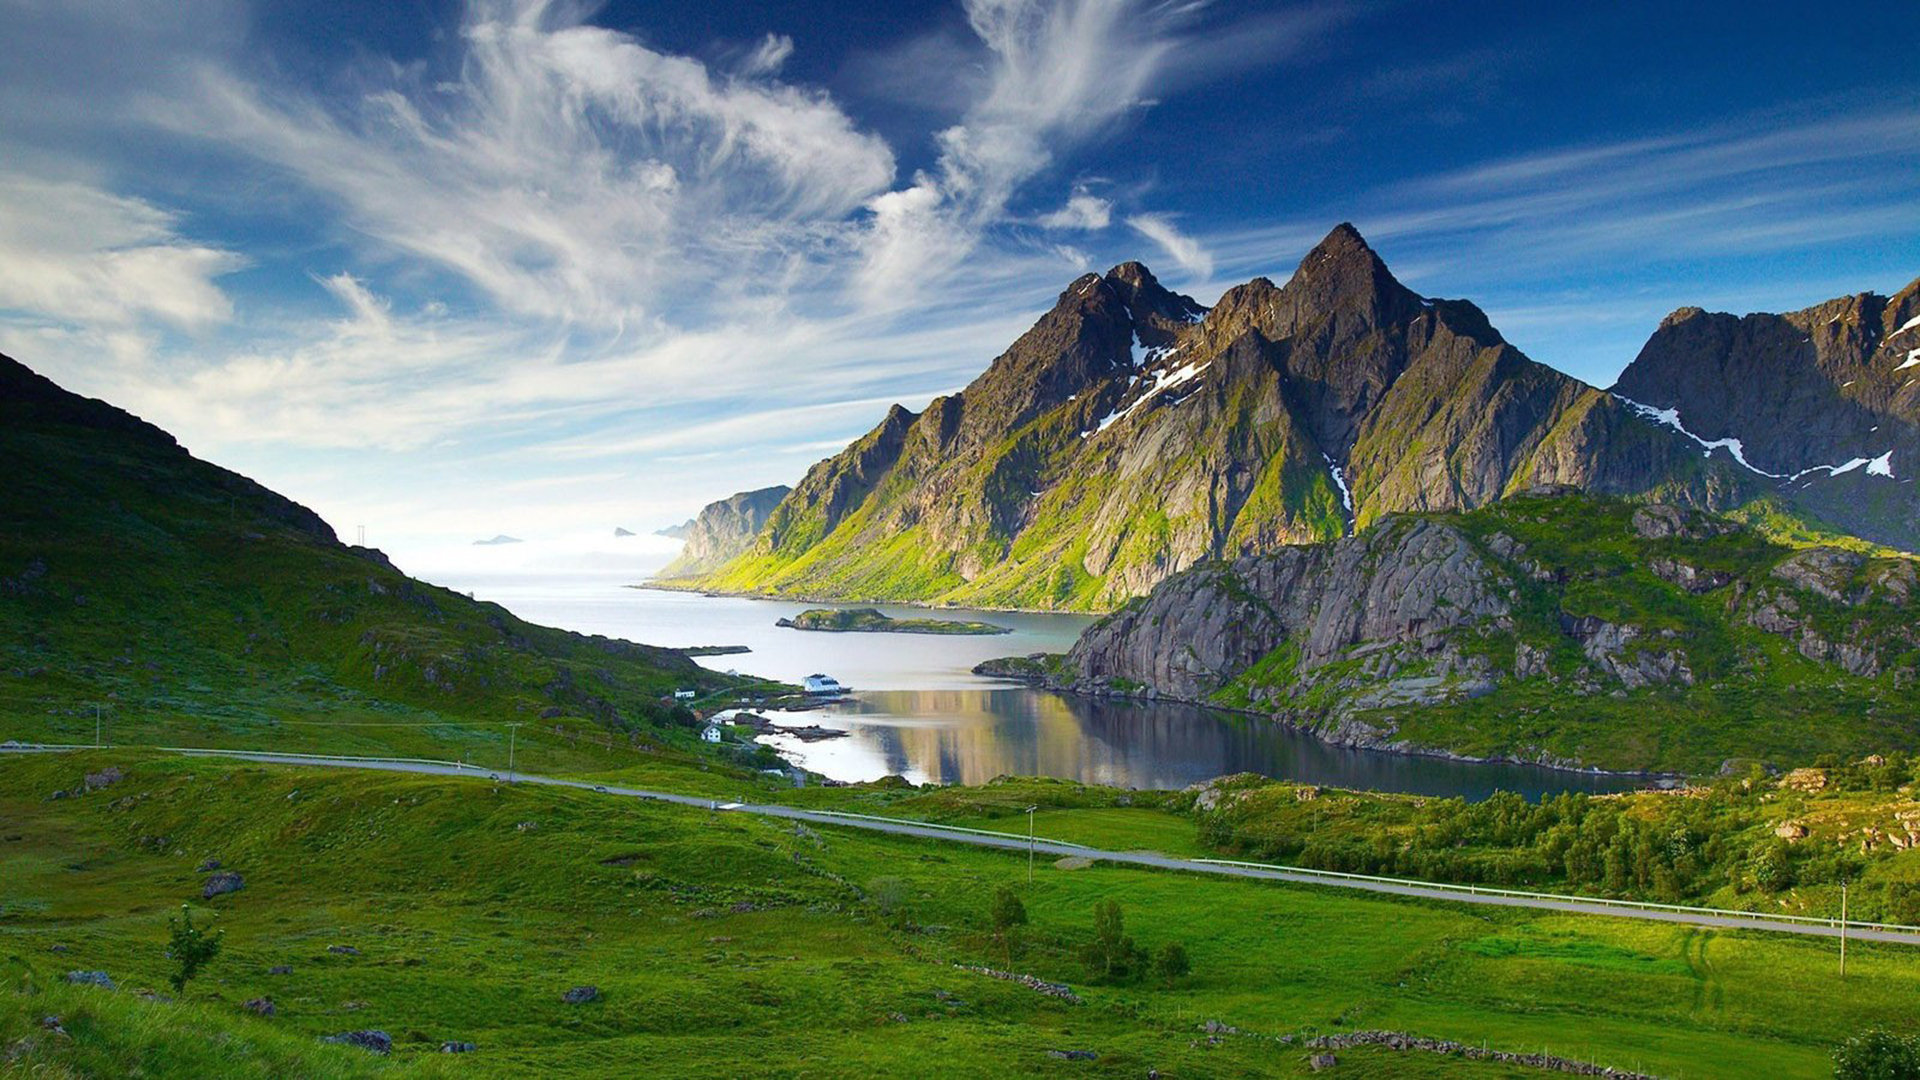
[512,731]
[1843,929]
[1030,811]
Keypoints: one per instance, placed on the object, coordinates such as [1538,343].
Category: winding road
[1055,848]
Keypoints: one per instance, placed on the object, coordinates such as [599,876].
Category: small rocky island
[870,621]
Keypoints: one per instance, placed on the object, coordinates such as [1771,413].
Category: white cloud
[1082,211]
[1058,73]
[74,254]
[769,56]
[568,171]
[1181,248]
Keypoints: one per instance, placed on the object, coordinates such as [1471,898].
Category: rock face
[1823,404]
[1552,606]
[723,529]
[1131,434]
[1397,592]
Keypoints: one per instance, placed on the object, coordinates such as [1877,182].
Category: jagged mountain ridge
[722,530]
[1823,403]
[1132,433]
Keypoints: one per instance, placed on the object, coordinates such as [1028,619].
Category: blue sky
[455,269]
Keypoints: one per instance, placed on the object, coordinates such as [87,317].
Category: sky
[448,270]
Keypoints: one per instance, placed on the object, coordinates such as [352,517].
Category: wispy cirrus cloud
[1056,75]
[1181,248]
[564,169]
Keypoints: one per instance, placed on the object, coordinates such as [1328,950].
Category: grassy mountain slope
[1131,434]
[1566,628]
[192,605]
[724,945]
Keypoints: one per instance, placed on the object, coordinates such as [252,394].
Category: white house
[822,685]
[710,733]
[685,695]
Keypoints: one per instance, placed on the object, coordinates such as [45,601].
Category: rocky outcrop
[722,530]
[1355,638]
[222,883]
[1131,434]
[1374,613]
[374,1042]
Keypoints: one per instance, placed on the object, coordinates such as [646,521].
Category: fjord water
[919,712]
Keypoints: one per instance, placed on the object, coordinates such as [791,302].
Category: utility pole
[512,730]
[1030,811]
[1843,929]
[96,725]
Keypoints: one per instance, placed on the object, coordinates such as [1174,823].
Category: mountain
[498,540]
[1823,404]
[1557,627]
[676,532]
[721,531]
[1132,433]
[189,601]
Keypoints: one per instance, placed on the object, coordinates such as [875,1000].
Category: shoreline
[1400,748]
[799,598]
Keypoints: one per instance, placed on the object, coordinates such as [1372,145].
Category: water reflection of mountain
[972,736]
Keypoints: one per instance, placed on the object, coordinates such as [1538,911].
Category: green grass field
[727,945]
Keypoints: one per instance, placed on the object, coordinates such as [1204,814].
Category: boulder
[280,969]
[376,1042]
[580,995]
[1322,1061]
[259,1006]
[457,1048]
[343,950]
[109,775]
[209,866]
[90,978]
[221,883]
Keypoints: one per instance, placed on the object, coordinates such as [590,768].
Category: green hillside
[188,605]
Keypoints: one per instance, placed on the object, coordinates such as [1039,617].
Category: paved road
[1053,848]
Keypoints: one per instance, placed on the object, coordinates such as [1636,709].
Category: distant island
[870,621]
[503,538]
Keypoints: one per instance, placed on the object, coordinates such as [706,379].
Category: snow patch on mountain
[1880,466]
[1340,481]
[1162,381]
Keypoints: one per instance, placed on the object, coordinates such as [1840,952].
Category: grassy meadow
[728,945]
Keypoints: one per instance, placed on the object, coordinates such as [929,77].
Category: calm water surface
[919,712]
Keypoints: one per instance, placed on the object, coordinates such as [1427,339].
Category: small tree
[1877,1055]
[1111,954]
[1171,963]
[189,947]
[1009,914]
